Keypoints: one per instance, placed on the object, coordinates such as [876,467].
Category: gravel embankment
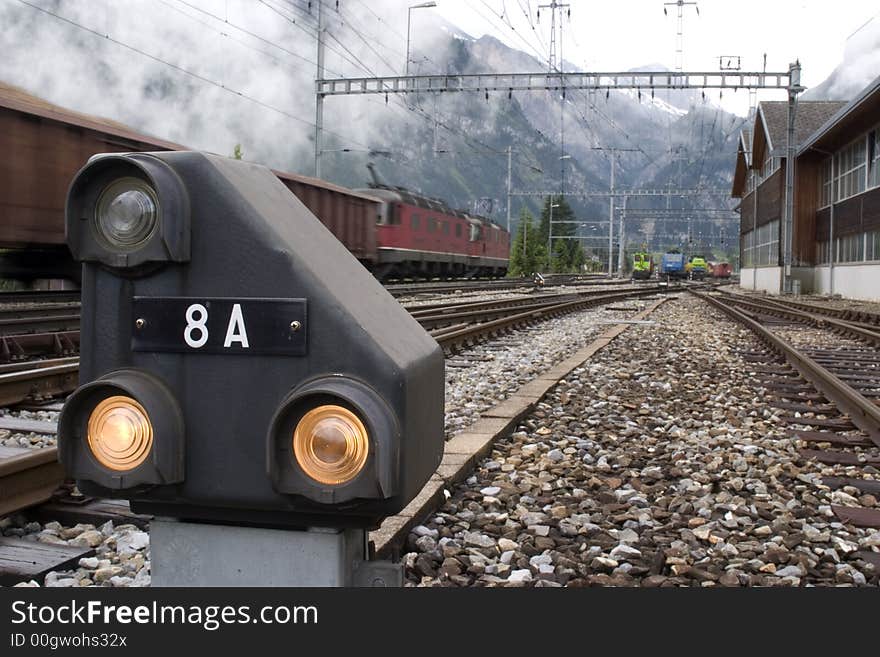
[481,377]
[658,463]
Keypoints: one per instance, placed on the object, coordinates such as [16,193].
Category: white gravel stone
[520,576]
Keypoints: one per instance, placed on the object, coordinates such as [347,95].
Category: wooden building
[759,181]
[837,201]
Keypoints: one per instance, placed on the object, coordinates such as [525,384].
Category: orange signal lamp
[331,444]
[120,434]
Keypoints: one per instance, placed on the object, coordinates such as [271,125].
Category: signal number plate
[217,325]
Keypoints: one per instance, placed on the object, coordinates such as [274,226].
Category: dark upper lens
[127,213]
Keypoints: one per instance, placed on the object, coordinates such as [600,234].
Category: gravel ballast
[657,463]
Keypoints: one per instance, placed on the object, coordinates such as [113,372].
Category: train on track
[392,231]
[672,264]
[696,267]
[642,265]
[720,269]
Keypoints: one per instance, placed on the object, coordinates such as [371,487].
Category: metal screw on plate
[140,323]
[295,326]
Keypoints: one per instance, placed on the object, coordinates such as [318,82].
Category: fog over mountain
[860,66]
[212,75]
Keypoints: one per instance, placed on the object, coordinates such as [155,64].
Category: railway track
[40,296]
[442,287]
[438,315]
[37,380]
[832,394]
[40,321]
[458,335]
[28,479]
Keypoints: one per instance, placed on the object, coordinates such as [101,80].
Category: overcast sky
[620,34]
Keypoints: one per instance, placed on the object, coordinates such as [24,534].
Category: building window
[432,225]
[874,158]
[823,252]
[826,180]
[415,221]
[771,164]
[748,249]
[760,247]
[445,227]
[872,245]
[458,230]
[850,165]
[851,248]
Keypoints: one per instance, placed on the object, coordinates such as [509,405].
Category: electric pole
[620,249]
[509,168]
[319,97]
[553,6]
[611,202]
[679,35]
[611,221]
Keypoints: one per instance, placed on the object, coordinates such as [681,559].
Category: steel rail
[490,310]
[451,337]
[437,287]
[21,311]
[845,314]
[37,380]
[28,477]
[60,321]
[863,413]
[39,296]
[780,309]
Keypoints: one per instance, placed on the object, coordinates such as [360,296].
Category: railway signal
[239,365]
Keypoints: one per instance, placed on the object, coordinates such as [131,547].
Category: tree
[236,153]
[525,261]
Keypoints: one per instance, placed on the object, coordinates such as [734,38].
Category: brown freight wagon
[43,146]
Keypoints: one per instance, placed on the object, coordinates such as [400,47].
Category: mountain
[860,66]
[668,138]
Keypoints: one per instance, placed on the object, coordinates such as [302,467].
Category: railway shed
[759,181]
[837,210]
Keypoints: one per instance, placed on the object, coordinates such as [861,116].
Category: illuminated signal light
[120,434]
[331,444]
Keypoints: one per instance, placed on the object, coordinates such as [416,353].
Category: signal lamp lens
[331,444]
[120,434]
[127,214]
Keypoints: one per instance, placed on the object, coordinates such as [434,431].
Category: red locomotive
[421,236]
[393,232]
[720,269]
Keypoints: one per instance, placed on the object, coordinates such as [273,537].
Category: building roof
[743,162]
[856,116]
[770,134]
[771,125]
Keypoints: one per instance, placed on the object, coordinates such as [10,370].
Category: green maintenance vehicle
[643,265]
[697,267]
